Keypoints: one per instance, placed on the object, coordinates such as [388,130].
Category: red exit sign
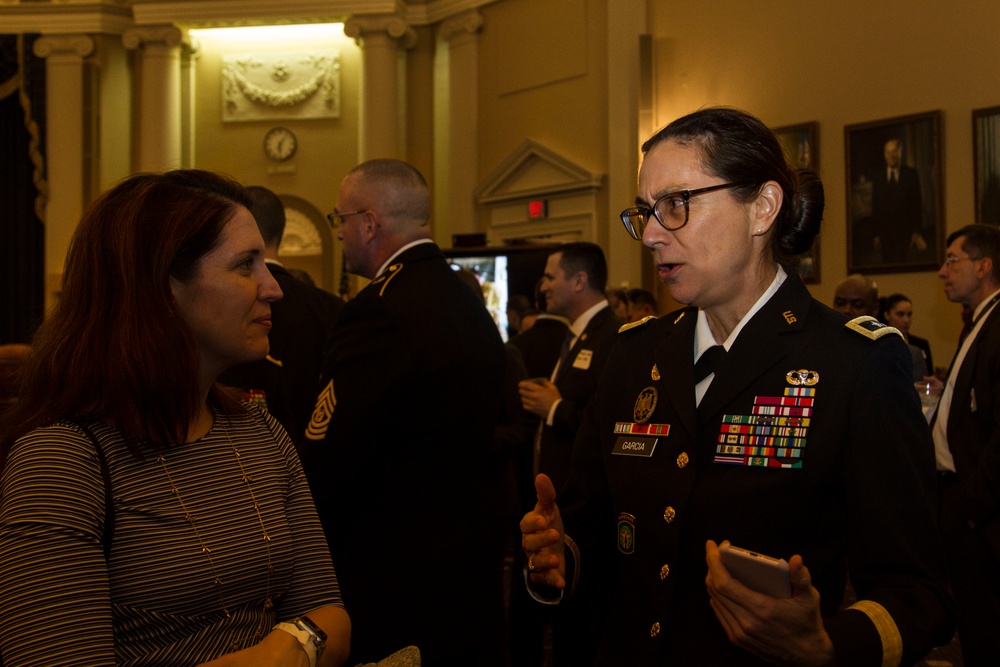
[537,209]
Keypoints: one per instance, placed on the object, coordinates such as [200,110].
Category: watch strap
[304,637]
[317,636]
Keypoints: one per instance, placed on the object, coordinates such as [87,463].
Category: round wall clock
[280,144]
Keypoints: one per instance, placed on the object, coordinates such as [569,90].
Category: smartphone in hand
[764,574]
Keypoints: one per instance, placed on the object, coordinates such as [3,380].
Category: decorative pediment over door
[566,198]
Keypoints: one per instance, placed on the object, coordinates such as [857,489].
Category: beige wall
[544,75]
[841,63]
[327,147]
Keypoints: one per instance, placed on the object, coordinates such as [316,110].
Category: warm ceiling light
[273,33]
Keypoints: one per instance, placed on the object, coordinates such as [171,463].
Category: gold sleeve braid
[892,642]
[869,327]
[637,323]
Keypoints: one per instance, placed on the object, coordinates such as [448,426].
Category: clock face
[280,143]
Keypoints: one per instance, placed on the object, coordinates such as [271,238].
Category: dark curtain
[22,189]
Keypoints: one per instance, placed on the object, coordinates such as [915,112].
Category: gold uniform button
[664,571]
[669,514]
[654,630]
[682,460]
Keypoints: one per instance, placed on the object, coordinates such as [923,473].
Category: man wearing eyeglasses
[967,443]
[402,429]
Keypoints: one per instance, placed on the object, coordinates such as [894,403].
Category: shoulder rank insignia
[387,276]
[637,323]
[869,327]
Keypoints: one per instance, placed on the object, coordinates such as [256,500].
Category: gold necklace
[248,480]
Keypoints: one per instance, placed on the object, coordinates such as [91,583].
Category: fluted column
[380,38]
[456,172]
[159,66]
[65,135]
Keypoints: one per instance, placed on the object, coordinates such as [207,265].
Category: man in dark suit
[897,207]
[573,286]
[541,344]
[402,429]
[287,380]
[967,442]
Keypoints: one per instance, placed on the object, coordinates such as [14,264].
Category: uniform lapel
[582,341]
[762,343]
[963,381]
[674,357]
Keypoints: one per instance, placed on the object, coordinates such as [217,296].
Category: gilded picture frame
[895,220]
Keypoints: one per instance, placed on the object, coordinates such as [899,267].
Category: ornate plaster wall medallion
[281,85]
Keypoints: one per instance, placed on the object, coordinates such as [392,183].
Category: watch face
[280,143]
[307,624]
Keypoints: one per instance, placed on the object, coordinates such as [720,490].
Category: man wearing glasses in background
[401,429]
[967,443]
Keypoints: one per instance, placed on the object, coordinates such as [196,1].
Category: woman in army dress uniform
[803,439]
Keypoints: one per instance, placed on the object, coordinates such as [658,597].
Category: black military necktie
[708,362]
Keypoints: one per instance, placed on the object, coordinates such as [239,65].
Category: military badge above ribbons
[639,438]
[774,436]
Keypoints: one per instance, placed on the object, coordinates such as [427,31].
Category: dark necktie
[564,351]
[967,329]
[708,362]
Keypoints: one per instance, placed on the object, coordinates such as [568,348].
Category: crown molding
[117,16]
[66,17]
[213,12]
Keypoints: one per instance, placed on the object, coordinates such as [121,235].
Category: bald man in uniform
[402,428]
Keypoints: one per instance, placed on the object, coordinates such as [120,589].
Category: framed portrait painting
[894,208]
[801,146]
[986,161]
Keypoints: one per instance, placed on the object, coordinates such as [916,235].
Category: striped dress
[155,601]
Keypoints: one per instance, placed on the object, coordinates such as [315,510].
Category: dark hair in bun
[738,148]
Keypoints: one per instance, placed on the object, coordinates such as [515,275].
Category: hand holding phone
[764,574]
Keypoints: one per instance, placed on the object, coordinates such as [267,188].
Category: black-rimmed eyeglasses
[337,219]
[671,210]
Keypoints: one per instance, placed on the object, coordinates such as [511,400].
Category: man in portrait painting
[897,208]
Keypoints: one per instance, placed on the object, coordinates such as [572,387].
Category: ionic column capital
[357,27]
[165,35]
[466,23]
[70,45]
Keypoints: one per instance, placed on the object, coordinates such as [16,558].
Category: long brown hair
[115,347]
